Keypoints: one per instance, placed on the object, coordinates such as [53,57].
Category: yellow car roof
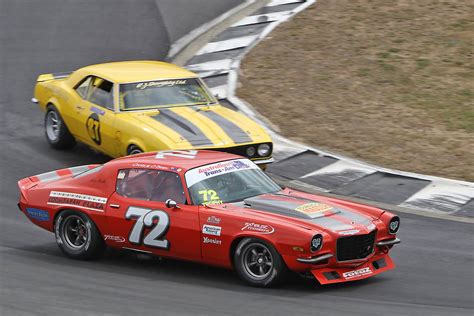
[134,71]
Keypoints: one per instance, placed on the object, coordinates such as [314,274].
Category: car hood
[209,126]
[313,213]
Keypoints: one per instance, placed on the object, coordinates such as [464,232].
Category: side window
[101,93]
[152,185]
[81,89]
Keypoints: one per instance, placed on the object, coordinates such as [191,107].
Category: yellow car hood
[209,126]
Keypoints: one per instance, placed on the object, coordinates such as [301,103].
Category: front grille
[355,247]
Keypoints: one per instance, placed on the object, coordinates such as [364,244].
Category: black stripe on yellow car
[237,134]
[212,130]
[188,130]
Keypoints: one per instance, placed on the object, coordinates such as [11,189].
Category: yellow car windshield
[163,93]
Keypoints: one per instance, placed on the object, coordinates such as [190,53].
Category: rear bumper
[376,265]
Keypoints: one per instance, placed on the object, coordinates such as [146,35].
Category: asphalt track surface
[434,273]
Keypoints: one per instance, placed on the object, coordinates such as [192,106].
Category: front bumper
[376,265]
[263,161]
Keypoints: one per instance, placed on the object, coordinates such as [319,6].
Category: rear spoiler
[53,76]
[28,183]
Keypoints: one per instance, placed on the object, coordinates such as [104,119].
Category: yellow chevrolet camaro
[125,108]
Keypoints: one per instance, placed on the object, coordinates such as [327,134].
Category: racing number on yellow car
[93,128]
[210,197]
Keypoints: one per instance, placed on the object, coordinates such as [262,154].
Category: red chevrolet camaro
[210,207]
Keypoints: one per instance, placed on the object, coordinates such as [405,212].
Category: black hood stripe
[237,134]
[188,130]
[287,208]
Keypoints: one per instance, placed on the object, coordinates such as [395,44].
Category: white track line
[270,17]
[280,2]
[229,44]
[211,66]
[339,167]
[441,195]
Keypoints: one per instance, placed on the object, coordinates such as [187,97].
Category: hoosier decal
[90,202]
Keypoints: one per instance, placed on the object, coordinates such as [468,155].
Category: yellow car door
[95,116]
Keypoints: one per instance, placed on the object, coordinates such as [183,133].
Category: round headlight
[250,151]
[394,225]
[316,242]
[263,150]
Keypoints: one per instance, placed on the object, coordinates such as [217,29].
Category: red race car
[209,207]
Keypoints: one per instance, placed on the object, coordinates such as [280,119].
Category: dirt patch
[388,82]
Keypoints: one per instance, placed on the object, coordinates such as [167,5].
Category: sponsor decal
[357,273]
[223,167]
[313,208]
[349,232]
[114,238]
[211,230]
[210,197]
[37,214]
[207,240]
[213,220]
[196,175]
[259,228]
[90,202]
[148,166]
[158,84]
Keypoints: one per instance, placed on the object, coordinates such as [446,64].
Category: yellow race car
[129,107]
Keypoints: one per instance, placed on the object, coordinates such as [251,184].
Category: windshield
[163,93]
[228,181]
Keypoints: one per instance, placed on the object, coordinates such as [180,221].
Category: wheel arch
[237,239]
[65,209]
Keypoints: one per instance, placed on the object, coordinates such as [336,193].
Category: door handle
[114,205]
[80,107]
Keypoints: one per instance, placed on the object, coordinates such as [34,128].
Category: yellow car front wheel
[134,150]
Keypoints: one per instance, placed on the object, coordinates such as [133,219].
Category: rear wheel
[56,131]
[77,236]
[258,263]
[134,150]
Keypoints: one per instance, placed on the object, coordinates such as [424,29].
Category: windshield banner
[205,172]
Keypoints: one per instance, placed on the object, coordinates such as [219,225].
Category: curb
[218,63]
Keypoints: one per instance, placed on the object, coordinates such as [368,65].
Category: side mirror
[171,203]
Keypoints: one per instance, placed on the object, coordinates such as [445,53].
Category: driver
[169,188]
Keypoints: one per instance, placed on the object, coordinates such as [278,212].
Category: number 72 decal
[147,218]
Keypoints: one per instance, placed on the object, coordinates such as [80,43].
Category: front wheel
[258,263]
[56,131]
[134,150]
[77,236]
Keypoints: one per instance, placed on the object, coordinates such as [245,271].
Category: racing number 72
[146,218]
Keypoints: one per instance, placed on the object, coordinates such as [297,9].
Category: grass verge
[388,82]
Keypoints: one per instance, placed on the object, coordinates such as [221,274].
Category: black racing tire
[134,150]
[56,131]
[258,263]
[77,236]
